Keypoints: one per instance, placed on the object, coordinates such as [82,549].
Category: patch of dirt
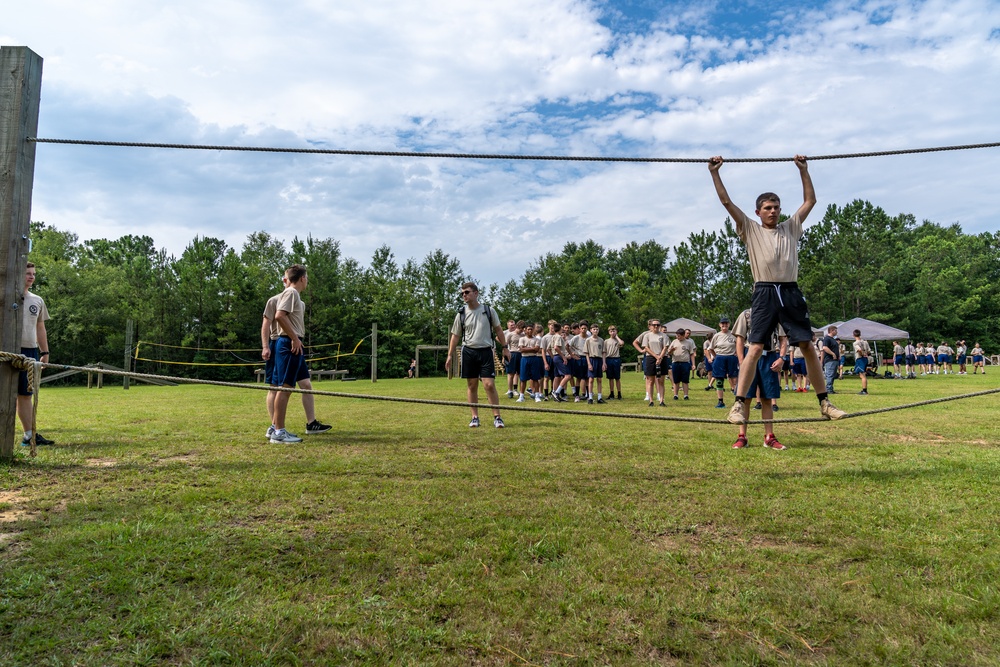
[693,538]
[101,463]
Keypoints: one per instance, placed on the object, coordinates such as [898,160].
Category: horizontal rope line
[22,362]
[495,156]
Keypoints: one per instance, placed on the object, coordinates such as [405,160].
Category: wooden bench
[319,375]
[333,375]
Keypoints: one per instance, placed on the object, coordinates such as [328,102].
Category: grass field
[164,530]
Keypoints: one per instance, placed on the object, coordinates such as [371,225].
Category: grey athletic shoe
[474,423]
[282,437]
[736,414]
[830,411]
[270,432]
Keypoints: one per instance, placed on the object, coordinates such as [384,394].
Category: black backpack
[486,311]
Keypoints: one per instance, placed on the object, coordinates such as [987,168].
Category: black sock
[821,397]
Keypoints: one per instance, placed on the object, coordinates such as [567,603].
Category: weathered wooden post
[20,93]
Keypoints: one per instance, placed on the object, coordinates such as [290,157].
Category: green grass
[163,529]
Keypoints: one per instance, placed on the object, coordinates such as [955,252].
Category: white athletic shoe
[520,399]
[281,436]
[538,398]
[270,432]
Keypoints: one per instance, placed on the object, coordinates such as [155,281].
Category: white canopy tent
[697,328]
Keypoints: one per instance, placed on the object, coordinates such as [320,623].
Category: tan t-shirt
[34,309]
[681,350]
[270,310]
[527,341]
[577,345]
[478,329]
[654,342]
[773,253]
[594,347]
[291,303]
[612,348]
[513,341]
[724,344]
[862,349]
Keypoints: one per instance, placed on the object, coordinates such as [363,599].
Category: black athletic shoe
[590,401]
[39,440]
[315,426]
[620,394]
[600,400]
[757,406]
[651,403]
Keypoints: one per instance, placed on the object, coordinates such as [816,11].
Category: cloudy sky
[750,78]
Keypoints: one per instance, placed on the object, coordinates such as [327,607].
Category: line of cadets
[570,357]
[933,361]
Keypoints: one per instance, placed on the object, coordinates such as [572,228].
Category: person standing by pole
[34,344]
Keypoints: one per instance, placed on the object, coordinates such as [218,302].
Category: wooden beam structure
[20,94]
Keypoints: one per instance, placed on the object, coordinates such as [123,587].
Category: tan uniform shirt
[34,309]
[724,344]
[478,330]
[612,348]
[681,350]
[291,303]
[773,253]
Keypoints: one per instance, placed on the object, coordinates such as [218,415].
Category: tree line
[204,307]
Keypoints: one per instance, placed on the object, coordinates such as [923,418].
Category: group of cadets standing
[570,357]
[934,361]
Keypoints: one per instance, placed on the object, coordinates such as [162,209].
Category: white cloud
[532,76]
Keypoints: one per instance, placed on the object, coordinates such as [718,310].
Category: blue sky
[597,77]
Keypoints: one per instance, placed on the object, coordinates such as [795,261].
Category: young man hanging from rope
[772,247]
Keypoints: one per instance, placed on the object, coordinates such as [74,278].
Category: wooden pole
[20,93]
[129,332]
[374,352]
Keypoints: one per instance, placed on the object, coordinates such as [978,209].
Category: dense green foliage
[934,281]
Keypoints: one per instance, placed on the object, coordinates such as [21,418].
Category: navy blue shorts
[943,359]
[551,372]
[531,368]
[579,367]
[977,358]
[514,365]
[562,368]
[725,366]
[799,366]
[911,360]
[766,380]
[860,365]
[614,368]
[681,372]
[961,359]
[898,360]
[269,363]
[22,377]
[595,367]
[779,302]
[289,368]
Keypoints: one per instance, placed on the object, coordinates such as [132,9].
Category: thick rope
[17,359]
[33,368]
[495,156]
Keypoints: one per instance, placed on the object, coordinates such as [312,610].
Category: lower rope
[22,363]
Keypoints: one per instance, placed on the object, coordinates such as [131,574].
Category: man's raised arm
[808,192]
[737,216]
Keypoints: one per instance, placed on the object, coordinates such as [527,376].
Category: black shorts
[477,362]
[22,376]
[779,302]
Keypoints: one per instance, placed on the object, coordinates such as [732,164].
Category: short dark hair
[30,265]
[857,332]
[768,196]
[470,285]
[295,273]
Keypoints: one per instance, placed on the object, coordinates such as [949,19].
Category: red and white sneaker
[740,443]
[772,442]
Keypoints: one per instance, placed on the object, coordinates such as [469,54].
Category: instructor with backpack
[474,324]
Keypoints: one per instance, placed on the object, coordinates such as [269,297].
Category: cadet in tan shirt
[772,247]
